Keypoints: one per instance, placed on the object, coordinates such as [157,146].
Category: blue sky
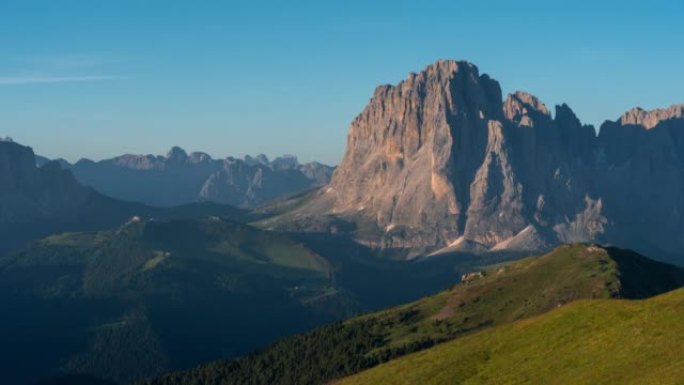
[97,78]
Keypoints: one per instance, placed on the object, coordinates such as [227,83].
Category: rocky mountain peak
[441,157]
[28,192]
[285,162]
[136,162]
[17,166]
[414,150]
[565,115]
[199,157]
[441,160]
[530,102]
[650,119]
[179,178]
[524,109]
[177,154]
[260,159]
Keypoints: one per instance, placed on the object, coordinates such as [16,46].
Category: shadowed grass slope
[151,296]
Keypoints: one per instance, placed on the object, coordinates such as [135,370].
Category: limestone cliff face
[553,159]
[441,159]
[414,151]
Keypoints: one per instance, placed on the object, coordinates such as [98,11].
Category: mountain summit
[441,159]
[28,192]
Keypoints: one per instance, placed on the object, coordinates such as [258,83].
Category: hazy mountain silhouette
[38,201]
[179,178]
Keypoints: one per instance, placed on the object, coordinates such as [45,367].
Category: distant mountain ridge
[442,159]
[181,178]
[38,201]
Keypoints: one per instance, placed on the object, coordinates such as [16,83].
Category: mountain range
[442,160]
[39,201]
[137,266]
[179,178]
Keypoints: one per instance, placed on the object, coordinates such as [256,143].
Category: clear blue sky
[97,78]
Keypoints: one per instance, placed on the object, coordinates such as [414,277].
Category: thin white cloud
[83,60]
[22,80]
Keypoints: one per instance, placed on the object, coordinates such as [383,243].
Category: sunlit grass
[586,342]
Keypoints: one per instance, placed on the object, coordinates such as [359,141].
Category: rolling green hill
[586,342]
[498,295]
[158,295]
[150,296]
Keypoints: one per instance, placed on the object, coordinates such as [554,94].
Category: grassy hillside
[495,296]
[98,213]
[124,258]
[151,296]
[586,342]
[158,295]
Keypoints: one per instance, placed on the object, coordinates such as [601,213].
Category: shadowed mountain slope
[494,296]
[152,296]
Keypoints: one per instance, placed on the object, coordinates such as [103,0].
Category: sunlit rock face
[442,157]
[414,151]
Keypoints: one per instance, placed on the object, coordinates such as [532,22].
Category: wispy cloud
[23,80]
[73,61]
[60,68]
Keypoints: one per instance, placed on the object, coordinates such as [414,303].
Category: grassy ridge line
[497,296]
[586,342]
